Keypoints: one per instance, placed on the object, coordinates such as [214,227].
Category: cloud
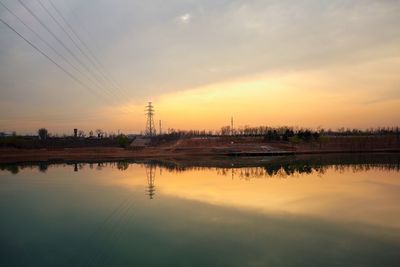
[185,18]
[142,46]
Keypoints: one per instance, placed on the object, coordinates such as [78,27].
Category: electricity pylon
[150,127]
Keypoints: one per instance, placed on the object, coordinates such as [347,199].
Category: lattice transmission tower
[150,127]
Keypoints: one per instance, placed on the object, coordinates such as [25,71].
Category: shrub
[123,140]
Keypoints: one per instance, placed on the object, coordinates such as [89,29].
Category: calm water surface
[318,211]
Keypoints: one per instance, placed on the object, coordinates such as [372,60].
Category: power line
[45,55]
[44,41]
[62,43]
[99,67]
[93,59]
[50,46]
[64,30]
[65,70]
[102,69]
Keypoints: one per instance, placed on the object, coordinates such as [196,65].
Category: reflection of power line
[151,174]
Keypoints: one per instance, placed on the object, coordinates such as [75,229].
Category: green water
[286,212]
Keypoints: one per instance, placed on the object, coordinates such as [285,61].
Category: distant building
[140,142]
[4,134]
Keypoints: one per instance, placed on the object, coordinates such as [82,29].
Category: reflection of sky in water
[198,218]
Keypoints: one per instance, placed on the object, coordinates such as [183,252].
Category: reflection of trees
[122,165]
[248,173]
[14,169]
[244,168]
[78,166]
[287,170]
[100,166]
[294,166]
[43,166]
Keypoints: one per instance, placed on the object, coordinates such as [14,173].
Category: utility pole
[231,125]
[150,127]
[160,126]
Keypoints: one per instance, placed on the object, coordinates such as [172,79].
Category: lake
[322,210]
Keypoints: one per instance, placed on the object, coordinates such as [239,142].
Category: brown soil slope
[190,147]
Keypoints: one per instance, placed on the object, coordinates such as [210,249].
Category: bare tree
[99,133]
[43,133]
[81,133]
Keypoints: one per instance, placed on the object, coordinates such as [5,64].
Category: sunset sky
[304,63]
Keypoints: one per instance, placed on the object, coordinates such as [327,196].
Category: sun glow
[308,98]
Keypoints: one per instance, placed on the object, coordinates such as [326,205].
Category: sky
[303,63]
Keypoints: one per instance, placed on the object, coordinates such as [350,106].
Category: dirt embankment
[185,148]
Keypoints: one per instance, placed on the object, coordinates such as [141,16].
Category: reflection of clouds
[383,184]
[126,228]
[349,191]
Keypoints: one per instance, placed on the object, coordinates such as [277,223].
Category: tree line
[284,133]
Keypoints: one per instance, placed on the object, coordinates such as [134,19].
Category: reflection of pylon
[151,174]
[150,127]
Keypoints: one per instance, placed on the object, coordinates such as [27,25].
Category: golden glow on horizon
[359,95]
[308,98]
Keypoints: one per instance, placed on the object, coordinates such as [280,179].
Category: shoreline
[99,154]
